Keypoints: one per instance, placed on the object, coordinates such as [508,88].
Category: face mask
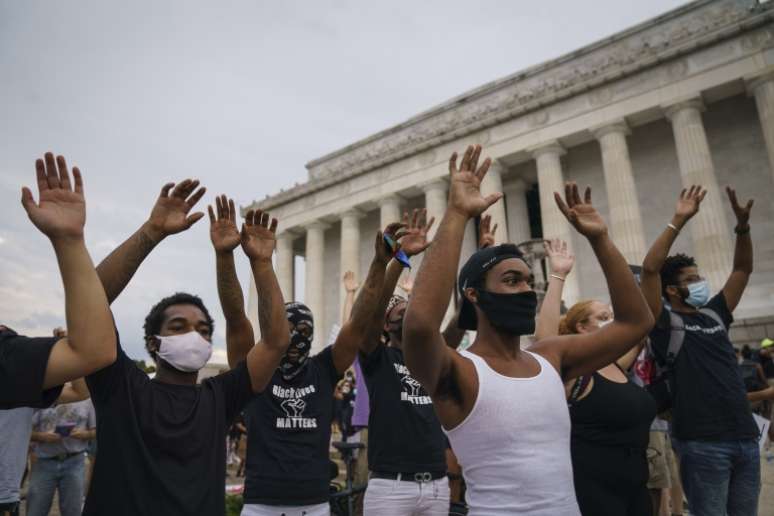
[188,352]
[510,313]
[698,294]
[297,313]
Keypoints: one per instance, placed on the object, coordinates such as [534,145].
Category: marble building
[685,98]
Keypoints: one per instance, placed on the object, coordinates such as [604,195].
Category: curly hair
[155,317]
[671,269]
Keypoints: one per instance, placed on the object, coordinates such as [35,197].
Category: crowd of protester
[602,409]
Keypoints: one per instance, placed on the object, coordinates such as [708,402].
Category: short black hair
[672,267]
[155,317]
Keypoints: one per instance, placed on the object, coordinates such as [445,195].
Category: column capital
[287,236]
[551,147]
[616,126]
[497,166]
[351,213]
[692,102]
[515,185]
[753,81]
[316,225]
[392,198]
[434,185]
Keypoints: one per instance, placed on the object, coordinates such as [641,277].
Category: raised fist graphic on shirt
[294,407]
[411,386]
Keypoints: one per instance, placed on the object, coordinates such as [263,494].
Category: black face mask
[510,313]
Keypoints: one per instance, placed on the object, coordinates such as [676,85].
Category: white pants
[254,509]
[385,497]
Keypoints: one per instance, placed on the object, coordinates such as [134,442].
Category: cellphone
[64,430]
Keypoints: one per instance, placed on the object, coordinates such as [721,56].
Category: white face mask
[188,352]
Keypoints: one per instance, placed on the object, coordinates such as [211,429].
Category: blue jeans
[720,477]
[49,474]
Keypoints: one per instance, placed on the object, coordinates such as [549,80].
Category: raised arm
[743,252]
[168,216]
[60,214]
[650,278]
[354,330]
[414,242]
[350,287]
[225,238]
[560,262]
[258,240]
[486,232]
[585,353]
[427,355]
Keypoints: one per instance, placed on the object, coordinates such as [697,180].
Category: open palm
[689,202]
[170,213]
[223,229]
[61,210]
[742,212]
[559,256]
[465,184]
[580,212]
[259,235]
[414,240]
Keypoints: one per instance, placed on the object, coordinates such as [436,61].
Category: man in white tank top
[504,408]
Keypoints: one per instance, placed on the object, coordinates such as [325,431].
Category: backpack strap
[676,337]
[580,385]
[712,313]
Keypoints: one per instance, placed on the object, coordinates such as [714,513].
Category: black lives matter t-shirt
[710,400]
[404,434]
[23,362]
[162,447]
[288,437]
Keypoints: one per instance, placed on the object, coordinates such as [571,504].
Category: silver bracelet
[672,226]
[557,277]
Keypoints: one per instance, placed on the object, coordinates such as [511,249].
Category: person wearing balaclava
[502,407]
[713,430]
[162,440]
[289,423]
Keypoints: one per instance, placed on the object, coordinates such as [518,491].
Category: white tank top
[514,446]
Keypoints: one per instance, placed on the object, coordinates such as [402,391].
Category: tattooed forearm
[229,290]
[118,268]
[368,297]
[271,307]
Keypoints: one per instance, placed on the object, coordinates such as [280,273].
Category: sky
[238,94]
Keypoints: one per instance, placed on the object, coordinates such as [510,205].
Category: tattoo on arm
[118,268]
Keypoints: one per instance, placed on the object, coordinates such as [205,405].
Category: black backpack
[662,388]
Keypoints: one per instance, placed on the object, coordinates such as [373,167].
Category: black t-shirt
[404,434]
[23,362]
[288,436]
[162,447]
[710,401]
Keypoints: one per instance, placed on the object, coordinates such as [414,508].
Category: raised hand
[60,213]
[742,212]
[560,259]
[414,240]
[259,235]
[486,233]
[384,255]
[170,213]
[580,212]
[223,229]
[350,283]
[465,184]
[689,202]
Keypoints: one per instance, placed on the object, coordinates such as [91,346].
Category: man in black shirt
[713,429]
[162,441]
[33,370]
[289,424]
[406,446]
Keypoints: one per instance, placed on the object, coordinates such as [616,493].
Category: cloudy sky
[239,94]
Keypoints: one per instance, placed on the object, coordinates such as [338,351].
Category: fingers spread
[273,226]
[27,200]
[40,174]
[211,213]
[64,175]
[453,163]
[165,189]
[78,178]
[231,210]
[195,197]
[51,176]
[194,218]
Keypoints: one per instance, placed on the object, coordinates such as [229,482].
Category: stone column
[284,262]
[389,210]
[314,293]
[350,248]
[625,220]
[518,213]
[550,180]
[762,88]
[435,201]
[709,228]
[493,183]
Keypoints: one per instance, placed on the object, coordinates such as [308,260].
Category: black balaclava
[297,313]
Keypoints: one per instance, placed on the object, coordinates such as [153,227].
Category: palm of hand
[170,215]
[587,220]
[60,213]
[686,207]
[258,242]
[224,235]
[350,285]
[465,194]
[414,242]
[561,262]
